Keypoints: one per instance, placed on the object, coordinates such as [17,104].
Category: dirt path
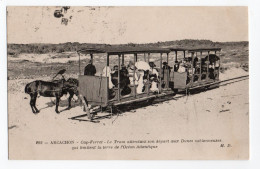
[222,113]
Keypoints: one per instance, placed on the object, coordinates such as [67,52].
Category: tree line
[41,48]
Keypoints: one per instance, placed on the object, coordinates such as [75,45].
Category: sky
[117,25]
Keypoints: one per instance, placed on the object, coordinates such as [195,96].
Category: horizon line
[133,42]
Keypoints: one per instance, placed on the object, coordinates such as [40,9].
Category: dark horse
[71,88]
[56,89]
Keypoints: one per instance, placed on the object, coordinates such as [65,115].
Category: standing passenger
[90,69]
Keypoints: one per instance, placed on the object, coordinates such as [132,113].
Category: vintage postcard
[128,83]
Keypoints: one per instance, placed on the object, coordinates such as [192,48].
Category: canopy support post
[107,59]
[168,72]
[200,67]
[118,81]
[192,72]
[218,65]
[79,63]
[160,75]
[107,77]
[207,68]
[135,56]
[123,59]
[91,58]
[148,78]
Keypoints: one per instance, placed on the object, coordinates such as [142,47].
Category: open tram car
[202,66]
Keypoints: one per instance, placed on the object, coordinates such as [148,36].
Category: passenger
[191,70]
[165,73]
[217,64]
[142,65]
[166,66]
[90,69]
[124,70]
[115,68]
[182,68]
[125,82]
[154,76]
[154,84]
[176,66]
[211,70]
[211,66]
[153,70]
[195,61]
[131,68]
[114,75]
[107,73]
[140,82]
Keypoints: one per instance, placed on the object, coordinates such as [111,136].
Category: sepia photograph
[128,82]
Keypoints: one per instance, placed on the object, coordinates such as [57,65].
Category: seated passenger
[211,71]
[131,69]
[195,61]
[182,68]
[217,64]
[142,65]
[125,82]
[154,76]
[153,70]
[107,73]
[124,70]
[154,84]
[115,68]
[197,68]
[211,66]
[114,75]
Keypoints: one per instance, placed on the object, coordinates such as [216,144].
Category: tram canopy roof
[124,50]
[206,49]
[177,49]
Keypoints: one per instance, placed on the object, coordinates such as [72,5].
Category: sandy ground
[221,113]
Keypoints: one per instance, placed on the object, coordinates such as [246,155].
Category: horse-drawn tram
[141,79]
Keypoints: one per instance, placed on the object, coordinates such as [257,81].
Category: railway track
[233,80]
[127,108]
